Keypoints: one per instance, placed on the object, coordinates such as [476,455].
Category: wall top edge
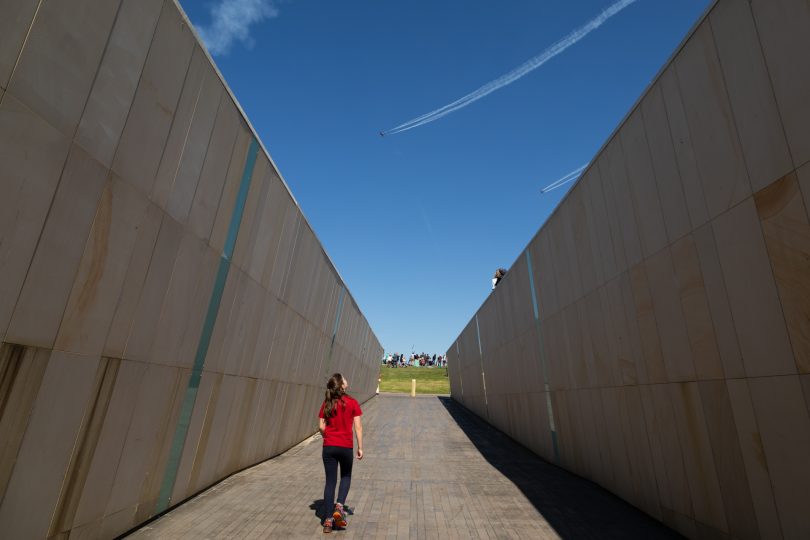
[255,133]
[595,158]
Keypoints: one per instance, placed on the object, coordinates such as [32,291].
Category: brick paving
[422,477]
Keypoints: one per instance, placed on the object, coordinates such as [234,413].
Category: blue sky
[417,222]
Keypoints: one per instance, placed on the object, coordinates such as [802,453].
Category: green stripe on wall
[549,407]
[190,396]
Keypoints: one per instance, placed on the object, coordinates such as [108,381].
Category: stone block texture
[167,315]
[654,336]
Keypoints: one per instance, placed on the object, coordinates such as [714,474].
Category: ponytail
[334,392]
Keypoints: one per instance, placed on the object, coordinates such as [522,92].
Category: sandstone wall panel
[672,294]
[167,314]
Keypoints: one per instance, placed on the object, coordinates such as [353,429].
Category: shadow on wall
[573,506]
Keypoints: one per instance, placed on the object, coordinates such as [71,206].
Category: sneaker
[339,515]
[327,525]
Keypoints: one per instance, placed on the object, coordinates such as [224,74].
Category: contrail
[573,175]
[516,73]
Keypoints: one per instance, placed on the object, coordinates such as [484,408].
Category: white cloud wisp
[516,73]
[231,21]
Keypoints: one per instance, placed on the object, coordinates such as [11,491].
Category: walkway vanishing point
[431,470]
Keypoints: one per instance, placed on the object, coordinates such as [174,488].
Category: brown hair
[334,392]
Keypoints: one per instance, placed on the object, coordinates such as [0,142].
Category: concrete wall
[654,336]
[167,314]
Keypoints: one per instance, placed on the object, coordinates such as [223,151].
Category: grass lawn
[428,380]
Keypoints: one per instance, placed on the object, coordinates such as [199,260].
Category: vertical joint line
[338,313]
[478,336]
[481,358]
[460,377]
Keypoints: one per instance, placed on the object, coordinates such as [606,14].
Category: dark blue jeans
[332,457]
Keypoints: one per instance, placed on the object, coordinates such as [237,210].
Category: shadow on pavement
[573,506]
[317,507]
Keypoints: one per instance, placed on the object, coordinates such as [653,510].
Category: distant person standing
[339,412]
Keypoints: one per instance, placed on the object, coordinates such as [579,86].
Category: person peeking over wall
[499,273]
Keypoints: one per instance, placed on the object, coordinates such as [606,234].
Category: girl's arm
[322,426]
[358,428]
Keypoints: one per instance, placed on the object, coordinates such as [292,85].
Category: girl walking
[339,412]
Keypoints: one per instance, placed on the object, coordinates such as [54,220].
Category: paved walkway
[422,477]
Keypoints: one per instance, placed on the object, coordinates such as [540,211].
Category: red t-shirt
[339,427]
